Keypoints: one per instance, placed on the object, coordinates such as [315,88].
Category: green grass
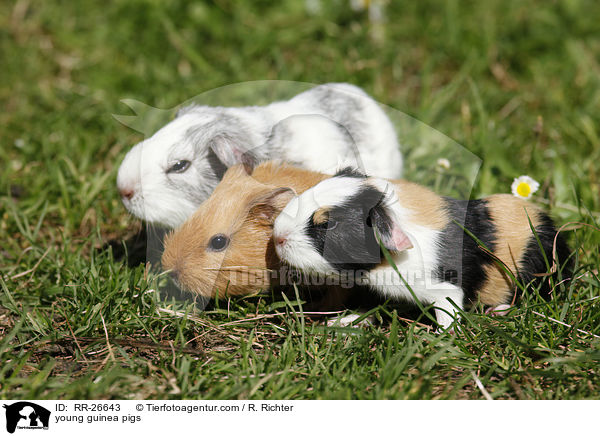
[516,83]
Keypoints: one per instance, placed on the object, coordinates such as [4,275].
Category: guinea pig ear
[229,151]
[267,207]
[387,230]
[398,241]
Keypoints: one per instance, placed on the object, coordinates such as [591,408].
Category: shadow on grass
[131,250]
[145,246]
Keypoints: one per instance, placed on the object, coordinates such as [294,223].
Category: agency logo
[26,415]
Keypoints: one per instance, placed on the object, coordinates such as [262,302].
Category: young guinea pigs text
[226,247]
[337,226]
[166,177]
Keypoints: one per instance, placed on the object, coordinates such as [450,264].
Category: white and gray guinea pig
[337,226]
[165,178]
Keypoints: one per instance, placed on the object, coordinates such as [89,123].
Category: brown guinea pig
[225,247]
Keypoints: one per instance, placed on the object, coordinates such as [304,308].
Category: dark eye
[179,167]
[218,243]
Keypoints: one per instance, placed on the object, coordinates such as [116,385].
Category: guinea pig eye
[179,167]
[218,243]
[331,224]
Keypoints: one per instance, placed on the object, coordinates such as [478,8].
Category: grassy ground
[516,83]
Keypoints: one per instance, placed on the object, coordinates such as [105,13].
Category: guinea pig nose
[280,240]
[126,193]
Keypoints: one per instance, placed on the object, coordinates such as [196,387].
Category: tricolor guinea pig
[337,227]
[225,248]
[166,177]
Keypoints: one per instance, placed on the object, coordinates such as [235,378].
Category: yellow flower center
[523,189]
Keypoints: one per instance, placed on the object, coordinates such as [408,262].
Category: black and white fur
[338,225]
[165,178]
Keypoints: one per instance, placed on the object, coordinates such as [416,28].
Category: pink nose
[126,193]
[280,240]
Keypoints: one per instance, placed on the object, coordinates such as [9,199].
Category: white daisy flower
[443,163]
[524,186]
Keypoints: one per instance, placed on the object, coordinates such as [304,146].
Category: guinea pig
[225,248]
[164,178]
[337,227]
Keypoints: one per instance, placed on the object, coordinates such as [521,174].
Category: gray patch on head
[222,124]
[209,166]
[206,167]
